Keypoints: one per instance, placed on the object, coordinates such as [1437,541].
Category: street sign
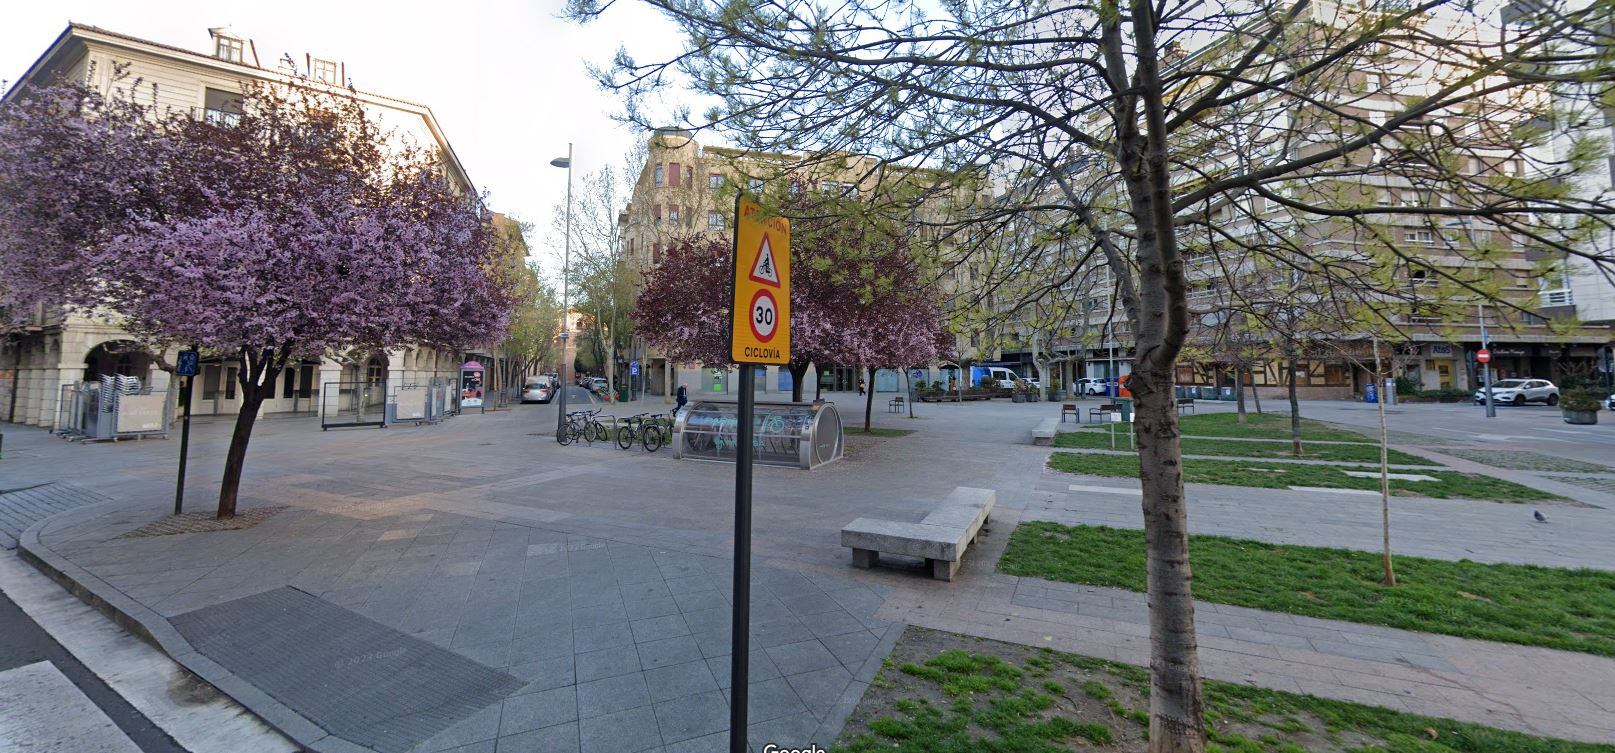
[760,328]
[188,360]
[633,368]
[1483,356]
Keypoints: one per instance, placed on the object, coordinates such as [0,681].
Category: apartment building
[59,347]
[688,188]
[1409,266]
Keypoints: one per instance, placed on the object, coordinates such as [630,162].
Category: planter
[1017,398]
[1580,417]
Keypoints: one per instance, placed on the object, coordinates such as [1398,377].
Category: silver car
[537,390]
[1520,392]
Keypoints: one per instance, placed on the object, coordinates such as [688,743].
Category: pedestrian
[860,386]
[682,397]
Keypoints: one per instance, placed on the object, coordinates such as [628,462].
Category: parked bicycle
[646,428]
[582,425]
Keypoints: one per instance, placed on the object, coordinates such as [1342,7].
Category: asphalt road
[23,642]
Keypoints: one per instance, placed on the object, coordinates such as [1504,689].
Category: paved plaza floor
[600,578]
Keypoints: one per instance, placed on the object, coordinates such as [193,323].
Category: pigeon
[1540,518]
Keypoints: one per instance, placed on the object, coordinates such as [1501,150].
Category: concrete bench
[1044,433]
[940,538]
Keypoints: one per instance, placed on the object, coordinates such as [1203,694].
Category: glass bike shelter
[795,435]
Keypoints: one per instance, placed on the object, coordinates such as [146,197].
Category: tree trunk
[798,370]
[1295,413]
[818,382]
[1256,394]
[1239,392]
[869,401]
[256,385]
[910,377]
[1176,708]
[236,457]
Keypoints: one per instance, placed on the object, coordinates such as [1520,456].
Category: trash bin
[1126,404]
[622,394]
[1370,394]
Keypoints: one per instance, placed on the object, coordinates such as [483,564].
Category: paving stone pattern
[1526,461]
[601,578]
[360,680]
[21,508]
[619,647]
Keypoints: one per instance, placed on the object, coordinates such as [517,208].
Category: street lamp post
[566,276]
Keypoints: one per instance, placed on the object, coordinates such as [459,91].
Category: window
[714,181]
[325,72]
[288,377]
[828,186]
[228,48]
[656,213]
[755,185]
[660,178]
[689,176]
[221,108]
[673,215]
[673,174]
[1419,236]
[714,220]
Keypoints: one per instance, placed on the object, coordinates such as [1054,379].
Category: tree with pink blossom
[857,296]
[300,229]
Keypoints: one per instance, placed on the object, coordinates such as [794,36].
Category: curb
[155,629]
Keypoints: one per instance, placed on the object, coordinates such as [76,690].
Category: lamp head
[561,162]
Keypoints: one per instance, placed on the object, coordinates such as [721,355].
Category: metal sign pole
[740,646]
[1486,368]
[189,364]
[184,447]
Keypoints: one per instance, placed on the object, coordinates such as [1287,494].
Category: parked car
[537,389]
[597,385]
[1520,392]
[1610,402]
[1093,386]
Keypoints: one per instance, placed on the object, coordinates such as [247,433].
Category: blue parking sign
[188,360]
[633,368]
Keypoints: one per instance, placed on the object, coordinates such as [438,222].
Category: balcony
[221,118]
[1558,297]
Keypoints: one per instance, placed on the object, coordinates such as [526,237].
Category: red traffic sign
[1483,356]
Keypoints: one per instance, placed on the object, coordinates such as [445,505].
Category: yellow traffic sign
[760,329]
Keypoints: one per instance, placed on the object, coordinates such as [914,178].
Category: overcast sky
[505,78]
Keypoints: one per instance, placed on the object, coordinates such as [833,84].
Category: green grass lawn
[1572,610]
[1264,426]
[1354,453]
[1448,484]
[948,693]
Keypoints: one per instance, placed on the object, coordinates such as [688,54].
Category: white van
[1001,377]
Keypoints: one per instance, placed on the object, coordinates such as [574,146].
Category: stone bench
[1044,433]
[940,538]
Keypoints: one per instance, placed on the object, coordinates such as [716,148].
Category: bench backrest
[1110,406]
[1185,401]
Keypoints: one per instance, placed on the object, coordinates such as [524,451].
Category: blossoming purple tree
[300,229]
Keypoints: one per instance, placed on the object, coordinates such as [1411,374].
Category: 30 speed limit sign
[760,331]
[764,316]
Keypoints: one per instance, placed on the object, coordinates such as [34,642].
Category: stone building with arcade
[56,348]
